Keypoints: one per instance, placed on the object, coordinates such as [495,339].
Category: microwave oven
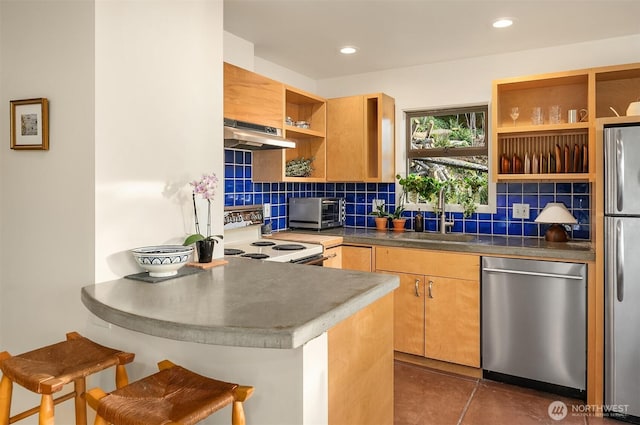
[316,213]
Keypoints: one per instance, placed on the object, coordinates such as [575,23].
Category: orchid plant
[206,188]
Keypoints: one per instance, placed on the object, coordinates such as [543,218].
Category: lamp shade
[556,214]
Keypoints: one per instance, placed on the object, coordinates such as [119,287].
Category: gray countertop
[477,244]
[247,303]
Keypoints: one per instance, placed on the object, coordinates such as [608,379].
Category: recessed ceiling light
[348,50]
[503,23]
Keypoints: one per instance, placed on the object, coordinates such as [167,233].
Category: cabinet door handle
[430,289]
[417,287]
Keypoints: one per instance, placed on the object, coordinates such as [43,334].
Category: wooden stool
[174,395]
[46,370]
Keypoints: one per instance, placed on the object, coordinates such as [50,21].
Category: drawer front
[430,263]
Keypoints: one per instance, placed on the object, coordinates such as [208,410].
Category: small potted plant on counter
[396,216]
[206,188]
[398,220]
[381,216]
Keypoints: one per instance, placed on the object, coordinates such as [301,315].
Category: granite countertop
[459,242]
[247,303]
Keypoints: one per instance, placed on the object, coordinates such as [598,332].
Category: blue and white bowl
[162,260]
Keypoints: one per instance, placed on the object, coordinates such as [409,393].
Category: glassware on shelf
[537,116]
[515,113]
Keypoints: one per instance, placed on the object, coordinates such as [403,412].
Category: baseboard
[469,371]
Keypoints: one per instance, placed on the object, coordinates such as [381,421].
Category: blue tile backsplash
[239,189]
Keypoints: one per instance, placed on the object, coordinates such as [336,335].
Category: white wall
[240,52]
[158,124]
[469,81]
[135,91]
[47,197]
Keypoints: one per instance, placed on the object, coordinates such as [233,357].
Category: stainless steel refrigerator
[622,270]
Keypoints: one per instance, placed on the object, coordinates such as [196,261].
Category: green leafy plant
[470,191]
[380,211]
[299,167]
[397,212]
[206,188]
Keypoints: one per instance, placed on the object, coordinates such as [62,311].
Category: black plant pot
[205,250]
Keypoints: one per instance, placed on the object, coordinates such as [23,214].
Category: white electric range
[242,238]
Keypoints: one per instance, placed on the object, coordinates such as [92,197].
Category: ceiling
[305,35]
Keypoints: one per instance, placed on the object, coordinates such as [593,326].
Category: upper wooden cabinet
[557,151]
[250,97]
[361,138]
[271,165]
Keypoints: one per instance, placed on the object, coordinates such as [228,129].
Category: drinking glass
[536,116]
[515,113]
[554,114]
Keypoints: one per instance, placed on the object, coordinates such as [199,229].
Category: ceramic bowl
[162,260]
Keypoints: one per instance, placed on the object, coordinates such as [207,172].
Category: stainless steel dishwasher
[534,324]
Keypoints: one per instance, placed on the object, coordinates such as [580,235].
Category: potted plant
[381,216]
[398,220]
[299,167]
[411,186]
[206,188]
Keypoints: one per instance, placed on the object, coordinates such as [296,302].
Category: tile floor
[429,397]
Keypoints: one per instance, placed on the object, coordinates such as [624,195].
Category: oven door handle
[316,260]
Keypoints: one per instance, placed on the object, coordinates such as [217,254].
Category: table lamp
[556,214]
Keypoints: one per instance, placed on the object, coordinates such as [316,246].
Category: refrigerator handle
[619,261]
[619,173]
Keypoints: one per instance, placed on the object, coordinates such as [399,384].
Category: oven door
[332,213]
[312,260]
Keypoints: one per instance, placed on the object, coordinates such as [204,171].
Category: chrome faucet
[441,206]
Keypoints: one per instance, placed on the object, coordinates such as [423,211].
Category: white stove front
[269,250]
[242,238]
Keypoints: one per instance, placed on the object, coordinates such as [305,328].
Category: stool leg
[80,386]
[46,416]
[93,397]
[6,388]
[242,393]
[237,414]
[122,379]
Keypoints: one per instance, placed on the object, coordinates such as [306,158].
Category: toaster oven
[316,213]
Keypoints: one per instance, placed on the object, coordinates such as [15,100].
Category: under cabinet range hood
[244,135]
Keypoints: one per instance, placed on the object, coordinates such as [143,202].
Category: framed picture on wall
[30,124]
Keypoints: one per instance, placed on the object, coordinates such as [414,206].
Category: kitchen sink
[434,236]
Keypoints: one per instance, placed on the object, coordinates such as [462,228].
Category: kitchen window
[451,145]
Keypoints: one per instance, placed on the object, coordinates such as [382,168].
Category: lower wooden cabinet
[408,319]
[334,257]
[357,258]
[452,320]
[437,309]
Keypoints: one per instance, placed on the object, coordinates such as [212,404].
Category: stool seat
[172,395]
[48,369]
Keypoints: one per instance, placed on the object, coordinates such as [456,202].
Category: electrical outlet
[521,211]
[375,203]
[266,210]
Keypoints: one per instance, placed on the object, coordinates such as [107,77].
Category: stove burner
[263,243]
[232,251]
[288,247]
[255,256]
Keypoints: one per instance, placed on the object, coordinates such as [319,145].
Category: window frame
[446,152]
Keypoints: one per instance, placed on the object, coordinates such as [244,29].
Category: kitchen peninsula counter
[246,303]
[316,343]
